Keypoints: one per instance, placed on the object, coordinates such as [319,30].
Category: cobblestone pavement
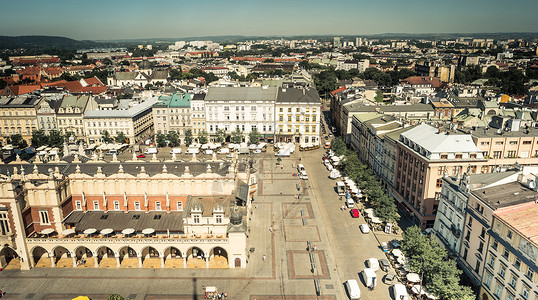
[287,212]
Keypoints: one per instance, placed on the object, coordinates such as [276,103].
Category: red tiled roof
[94,81]
[338,91]
[421,80]
[24,88]
[262,59]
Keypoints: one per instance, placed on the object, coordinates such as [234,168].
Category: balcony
[455,231]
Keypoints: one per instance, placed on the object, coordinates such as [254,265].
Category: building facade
[18,115]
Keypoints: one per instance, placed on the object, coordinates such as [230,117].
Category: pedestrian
[263,258]
[270,228]
[256,206]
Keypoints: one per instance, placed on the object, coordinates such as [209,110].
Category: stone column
[118,263]
[96,260]
[52,260]
[140,261]
[74,261]
[162,262]
[206,260]
[184,256]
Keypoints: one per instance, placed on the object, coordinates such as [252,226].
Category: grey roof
[19,101]
[120,220]
[428,138]
[306,95]
[120,113]
[75,101]
[208,203]
[242,191]
[419,107]
[125,75]
[241,94]
[505,195]
[200,96]
[492,133]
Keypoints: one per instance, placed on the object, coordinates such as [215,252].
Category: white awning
[413,277]
[90,231]
[128,231]
[47,231]
[107,231]
[68,231]
[148,231]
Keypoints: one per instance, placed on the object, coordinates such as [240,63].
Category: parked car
[141,155]
[364,228]
[355,213]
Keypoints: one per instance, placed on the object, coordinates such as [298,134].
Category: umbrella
[431,296]
[128,231]
[402,260]
[397,252]
[81,298]
[376,220]
[417,288]
[107,231]
[148,231]
[47,231]
[90,231]
[68,231]
[413,277]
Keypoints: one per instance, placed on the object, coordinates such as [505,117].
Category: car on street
[364,228]
[355,213]
[141,155]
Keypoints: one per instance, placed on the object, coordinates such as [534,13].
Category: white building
[133,119]
[242,108]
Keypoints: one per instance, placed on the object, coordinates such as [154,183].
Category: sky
[138,19]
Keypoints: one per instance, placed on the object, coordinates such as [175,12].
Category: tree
[338,146]
[188,137]
[202,137]
[175,74]
[221,135]
[56,139]
[237,136]
[17,141]
[148,86]
[115,297]
[254,136]
[160,139]
[106,137]
[173,138]
[120,138]
[378,96]
[441,275]
[39,138]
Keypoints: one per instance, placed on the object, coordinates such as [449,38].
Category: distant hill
[41,41]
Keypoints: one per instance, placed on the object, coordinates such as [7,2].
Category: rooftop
[504,195]
[121,113]
[522,218]
[434,141]
[241,94]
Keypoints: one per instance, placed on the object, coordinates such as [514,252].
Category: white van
[176,151]
[303,175]
[353,289]
[151,151]
[300,167]
[400,292]
[350,203]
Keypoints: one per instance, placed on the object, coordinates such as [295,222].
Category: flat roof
[504,195]
[120,220]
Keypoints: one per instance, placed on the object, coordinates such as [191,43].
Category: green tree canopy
[237,136]
[17,141]
[254,136]
[202,137]
[39,138]
[120,138]
[173,138]
[188,137]
[221,135]
[56,139]
[106,137]
[160,139]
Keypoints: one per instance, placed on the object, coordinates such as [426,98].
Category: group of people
[81,262]
[216,295]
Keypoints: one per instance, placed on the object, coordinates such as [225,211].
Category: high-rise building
[337,43]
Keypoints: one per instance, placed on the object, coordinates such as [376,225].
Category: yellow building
[18,116]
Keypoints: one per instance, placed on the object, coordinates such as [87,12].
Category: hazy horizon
[168,19]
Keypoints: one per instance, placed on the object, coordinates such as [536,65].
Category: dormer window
[196,219]
[218,219]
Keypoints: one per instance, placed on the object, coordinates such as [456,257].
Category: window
[459,156]
[137,205]
[289,109]
[281,109]
[510,297]
[196,219]
[483,233]
[480,246]
[297,118]
[529,274]
[509,235]
[505,253]
[477,267]
[499,290]
[502,271]
[517,263]
[487,282]
[465,252]
[289,118]
[525,292]
[218,219]
[297,109]
[78,205]
[470,223]
[4,223]
[495,245]
[513,281]
[497,154]
[444,156]
[116,205]
[491,262]
[439,183]
[44,217]
[180,206]
[95,205]
[157,205]
[468,236]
